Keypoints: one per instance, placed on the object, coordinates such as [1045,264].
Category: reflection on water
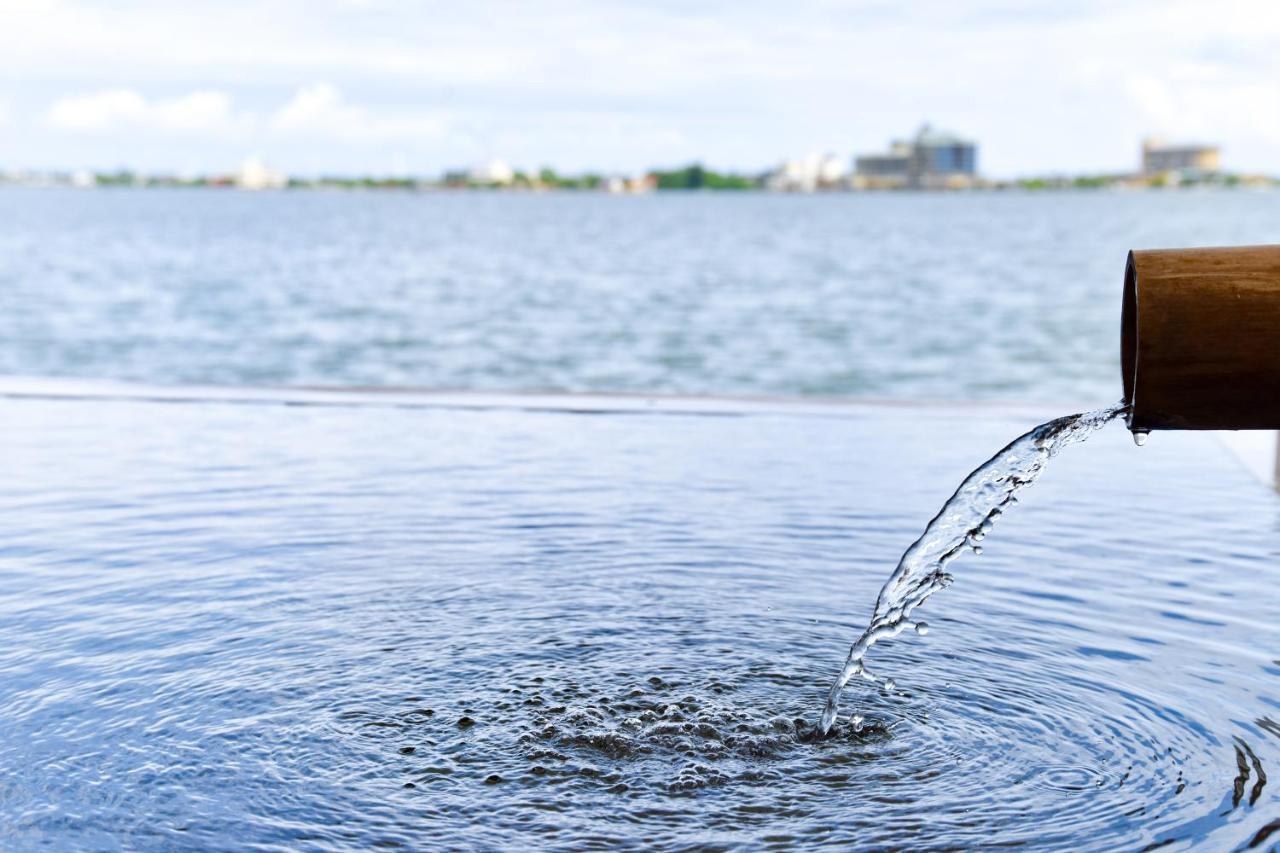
[230,625]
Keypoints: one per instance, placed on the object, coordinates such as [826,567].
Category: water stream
[962,523]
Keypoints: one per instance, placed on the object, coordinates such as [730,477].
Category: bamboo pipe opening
[1200,338]
[1129,336]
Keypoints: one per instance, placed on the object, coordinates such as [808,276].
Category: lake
[251,617]
[958,297]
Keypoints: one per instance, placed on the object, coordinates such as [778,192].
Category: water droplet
[977,550]
[856,722]
[922,628]
[889,685]
[1140,436]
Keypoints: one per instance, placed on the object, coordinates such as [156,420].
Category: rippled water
[301,627]
[965,297]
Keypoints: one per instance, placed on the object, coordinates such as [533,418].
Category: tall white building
[494,172]
[256,175]
[815,172]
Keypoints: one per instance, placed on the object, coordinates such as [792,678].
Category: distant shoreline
[254,176]
[994,189]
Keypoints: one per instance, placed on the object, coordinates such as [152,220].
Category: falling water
[963,522]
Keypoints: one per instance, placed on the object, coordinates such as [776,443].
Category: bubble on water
[616,726]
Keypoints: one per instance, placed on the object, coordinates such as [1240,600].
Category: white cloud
[317,112]
[320,110]
[127,110]
[610,84]
[1207,106]
[279,42]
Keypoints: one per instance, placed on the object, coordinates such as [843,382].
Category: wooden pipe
[1200,338]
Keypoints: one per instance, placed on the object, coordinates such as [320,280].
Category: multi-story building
[940,160]
[884,171]
[931,159]
[1158,157]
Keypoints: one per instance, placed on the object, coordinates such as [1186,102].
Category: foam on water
[964,521]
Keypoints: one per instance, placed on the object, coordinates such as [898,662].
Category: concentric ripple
[1039,751]
[232,626]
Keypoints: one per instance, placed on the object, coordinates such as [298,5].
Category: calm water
[1010,297]
[304,628]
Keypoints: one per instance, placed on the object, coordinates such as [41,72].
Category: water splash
[963,522]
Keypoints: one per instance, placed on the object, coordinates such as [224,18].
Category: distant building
[885,171]
[1159,158]
[942,158]
[619,184]
[495,172]
[255,175]
[932,159]
[815,172]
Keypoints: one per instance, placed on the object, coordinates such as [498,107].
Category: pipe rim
[1129,337]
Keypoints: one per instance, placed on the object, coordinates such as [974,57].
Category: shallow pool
[317,626]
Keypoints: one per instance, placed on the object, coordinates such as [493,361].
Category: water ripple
[349,628]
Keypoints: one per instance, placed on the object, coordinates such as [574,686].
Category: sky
[415,88]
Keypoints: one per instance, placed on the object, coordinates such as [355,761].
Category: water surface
[961,297]
[315,627]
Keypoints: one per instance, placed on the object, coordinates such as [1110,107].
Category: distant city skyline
[371,87]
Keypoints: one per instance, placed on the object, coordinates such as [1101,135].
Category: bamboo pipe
[1200,338]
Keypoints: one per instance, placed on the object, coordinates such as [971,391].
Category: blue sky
[369,86]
